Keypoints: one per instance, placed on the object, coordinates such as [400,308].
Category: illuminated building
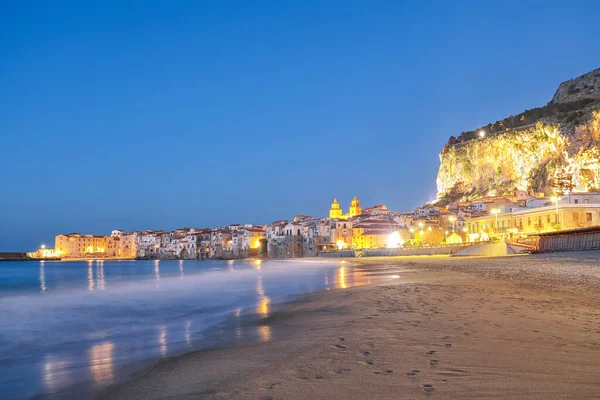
[78,245]
[120,244]
[526,221]
[371,234]
[43,253]
[342,234]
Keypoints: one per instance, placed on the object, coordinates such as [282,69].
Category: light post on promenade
[453,220]
[555,200]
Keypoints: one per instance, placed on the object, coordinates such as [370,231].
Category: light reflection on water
[77,322]
[101,362]
[42,277]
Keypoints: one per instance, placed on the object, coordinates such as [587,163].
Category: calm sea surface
[81,324]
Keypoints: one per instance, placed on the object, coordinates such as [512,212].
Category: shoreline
[453,321]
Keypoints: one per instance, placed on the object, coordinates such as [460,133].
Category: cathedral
[336,212]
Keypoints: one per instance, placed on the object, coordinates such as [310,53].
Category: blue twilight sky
[156,114]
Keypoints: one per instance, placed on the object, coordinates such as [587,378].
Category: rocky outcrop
[541,156]
[558,152]
[555,148]
[497,164]
[585,87]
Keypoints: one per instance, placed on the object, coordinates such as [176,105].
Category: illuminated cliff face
[539,156]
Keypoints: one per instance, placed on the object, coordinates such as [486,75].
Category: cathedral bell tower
[335,211]
[355,208]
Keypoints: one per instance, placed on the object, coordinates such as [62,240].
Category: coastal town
[517,217]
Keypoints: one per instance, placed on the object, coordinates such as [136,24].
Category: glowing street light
[555,200]
[43,246]
[394,240]
[482,134]
[453,220]
[496,211]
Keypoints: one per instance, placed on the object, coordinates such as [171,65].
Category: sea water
[82,323]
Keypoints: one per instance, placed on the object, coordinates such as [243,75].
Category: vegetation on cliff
[568,115]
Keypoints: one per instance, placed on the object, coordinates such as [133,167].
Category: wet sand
[468,328]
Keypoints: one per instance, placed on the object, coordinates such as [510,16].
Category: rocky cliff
[585,87]
[558,152]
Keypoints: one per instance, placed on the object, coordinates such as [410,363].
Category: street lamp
[496,211]
[555,200]
[482,134]
[453,220]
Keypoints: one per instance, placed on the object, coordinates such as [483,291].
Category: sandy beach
[454,328]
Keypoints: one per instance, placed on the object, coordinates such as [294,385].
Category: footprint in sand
[448,345]
[430,352]
[428,388]
[370,362]
[339,346]
[366,353]
[341,371]
[434,363]
[413,372]
[389,371]
[341,339]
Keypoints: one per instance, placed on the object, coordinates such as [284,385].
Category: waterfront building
[43,252]
[70,245]
[149,243]
[342,234]
[252,237]
[375,234]
[531,221]
[121,244]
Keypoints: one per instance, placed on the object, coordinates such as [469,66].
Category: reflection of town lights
[394,240]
